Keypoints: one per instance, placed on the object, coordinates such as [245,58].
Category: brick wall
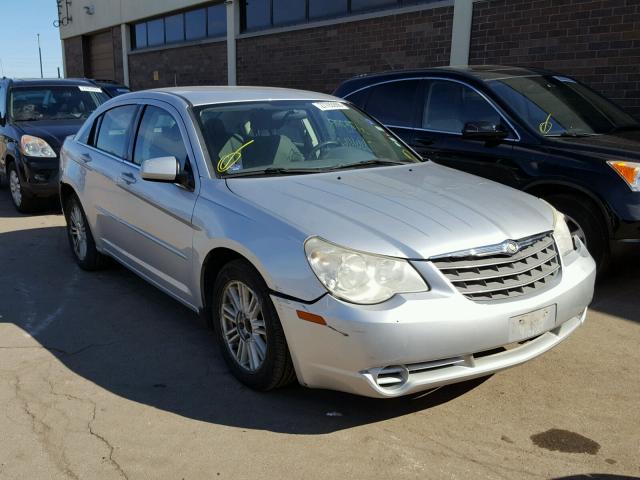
[204,64]
[116,38]
[320,58]
[596,41]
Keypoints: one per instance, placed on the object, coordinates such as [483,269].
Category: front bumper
[428,339]
[40,176]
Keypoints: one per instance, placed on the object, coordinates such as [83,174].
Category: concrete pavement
[104,377]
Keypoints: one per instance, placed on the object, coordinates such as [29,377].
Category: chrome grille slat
[452,263]
[500,276]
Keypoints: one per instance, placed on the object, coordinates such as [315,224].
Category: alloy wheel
[243,325]
[15,187]
[78,232]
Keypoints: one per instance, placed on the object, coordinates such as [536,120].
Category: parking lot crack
[111,448]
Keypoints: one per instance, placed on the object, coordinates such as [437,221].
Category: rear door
[156,232]
[395,104]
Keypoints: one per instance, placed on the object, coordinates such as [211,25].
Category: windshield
[54,103]
[295,137]
[555,105]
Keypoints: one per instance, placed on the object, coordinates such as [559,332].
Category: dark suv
[538,131]
[35,118]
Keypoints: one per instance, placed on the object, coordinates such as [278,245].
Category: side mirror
[486,131]
[161,169]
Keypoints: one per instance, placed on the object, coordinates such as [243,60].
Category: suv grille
[497,276]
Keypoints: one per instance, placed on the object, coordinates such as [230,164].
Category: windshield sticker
[407,154]
[84,88]
[546,126]
[230,159]
[326,106]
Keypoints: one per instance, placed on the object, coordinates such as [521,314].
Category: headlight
[629,171]
[361,277]
[561,233]
[35,147]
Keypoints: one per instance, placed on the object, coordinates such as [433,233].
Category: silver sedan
[316,243]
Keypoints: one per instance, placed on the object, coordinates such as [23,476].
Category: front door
[448,106]
[157,233]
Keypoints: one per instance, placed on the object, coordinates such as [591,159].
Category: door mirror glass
[484,131]
[161,169]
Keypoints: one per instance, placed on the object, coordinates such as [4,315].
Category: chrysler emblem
[511,247]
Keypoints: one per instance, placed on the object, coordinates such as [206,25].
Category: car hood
[52,132]
[413,211]
[618,146]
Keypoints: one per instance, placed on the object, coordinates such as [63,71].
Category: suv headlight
[561,233]
[358,277]
[35,147]
[629,171]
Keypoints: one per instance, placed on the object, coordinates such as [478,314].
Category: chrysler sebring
[317,244]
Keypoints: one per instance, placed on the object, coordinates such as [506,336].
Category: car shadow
[617,291]
[115,330]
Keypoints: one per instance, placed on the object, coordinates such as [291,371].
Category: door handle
[85,157]
[424,141]
[128,178]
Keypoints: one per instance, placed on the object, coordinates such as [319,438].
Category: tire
[21,199]
[257,352]
[585,220]
[81,242]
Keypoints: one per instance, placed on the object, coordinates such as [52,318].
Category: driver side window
[450,105]
[159,136]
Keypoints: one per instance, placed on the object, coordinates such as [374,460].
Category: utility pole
[40,55]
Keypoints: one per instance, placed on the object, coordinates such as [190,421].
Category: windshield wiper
[366,163]
[274,171]
[576,134]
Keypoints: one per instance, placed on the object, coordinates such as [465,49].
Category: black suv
[541,132]
[35,118]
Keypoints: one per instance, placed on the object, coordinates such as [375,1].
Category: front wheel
[248,330]
[585,221]
[21,199]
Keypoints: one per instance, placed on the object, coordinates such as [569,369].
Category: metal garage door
[100,56]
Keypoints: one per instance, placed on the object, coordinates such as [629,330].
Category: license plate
[531,324]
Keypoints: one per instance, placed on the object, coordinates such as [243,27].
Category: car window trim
[128,141]
[447,79]
[178,119]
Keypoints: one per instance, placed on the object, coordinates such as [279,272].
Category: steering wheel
[321,145]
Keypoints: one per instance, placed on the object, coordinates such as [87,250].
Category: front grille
[500,276]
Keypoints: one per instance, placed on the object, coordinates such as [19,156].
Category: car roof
[472,72]
[41,82]
[221,94]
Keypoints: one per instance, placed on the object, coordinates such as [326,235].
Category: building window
[187,26]
[217,20]
[286,12]
[195,24]
[263,14]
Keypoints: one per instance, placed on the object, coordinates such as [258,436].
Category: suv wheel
[80,237]
[248,330]
[22,200]
[584,220]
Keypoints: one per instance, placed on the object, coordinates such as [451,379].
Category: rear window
[68,102]
[114,130]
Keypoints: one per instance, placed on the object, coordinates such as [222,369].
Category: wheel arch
[546,188]
[66,192]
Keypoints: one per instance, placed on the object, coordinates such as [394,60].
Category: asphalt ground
[104,377]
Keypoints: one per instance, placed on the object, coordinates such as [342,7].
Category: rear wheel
[80,237]
[585,221]
[248,330]
[22,200]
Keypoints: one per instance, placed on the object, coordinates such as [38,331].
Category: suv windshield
[69,102]
[556,106]
[280,137]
